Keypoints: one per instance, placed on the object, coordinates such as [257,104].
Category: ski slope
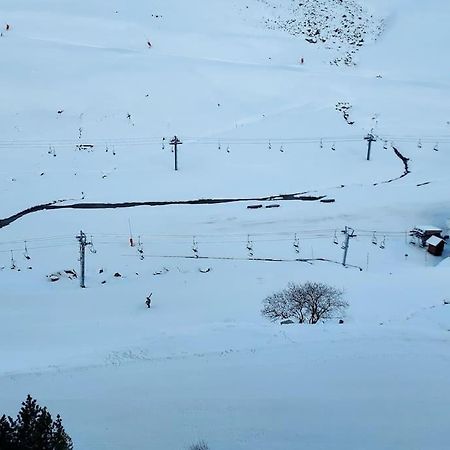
[88,108]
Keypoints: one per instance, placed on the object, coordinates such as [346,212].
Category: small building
[435,245]
[422,233]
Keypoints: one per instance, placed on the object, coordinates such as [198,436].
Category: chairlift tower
[175,142]
[349,233]
[369,138]
[82,239]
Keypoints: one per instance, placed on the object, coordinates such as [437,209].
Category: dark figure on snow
[148,300]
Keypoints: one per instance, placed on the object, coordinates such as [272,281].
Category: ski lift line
[4,149]
[37,248]
[312,234]
[157,140]
[383,232]
[370,235]
[208,238]
[424,141]
[50,246]
[416,138]
[272,139]
[215,139]
[216,236]
[221,242]
[261,233]
[28,240]
[44,238]
[287,233]
[242,241]
[320,233]
[275,141]
[237,241]
[101,142]
[153,238]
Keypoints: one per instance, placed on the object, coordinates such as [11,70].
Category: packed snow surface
[272,101]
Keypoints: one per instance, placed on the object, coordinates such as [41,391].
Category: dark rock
[287,322]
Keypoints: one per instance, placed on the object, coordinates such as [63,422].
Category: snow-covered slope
[92,93]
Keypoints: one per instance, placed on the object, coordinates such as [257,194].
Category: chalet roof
[434,240]
[428,228]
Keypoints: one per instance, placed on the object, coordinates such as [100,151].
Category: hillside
[272,100]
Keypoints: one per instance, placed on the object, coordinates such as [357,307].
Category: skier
[7,27]
[148,300]
[149,44]
[302,60]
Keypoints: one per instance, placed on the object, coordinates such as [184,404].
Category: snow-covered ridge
[342,26]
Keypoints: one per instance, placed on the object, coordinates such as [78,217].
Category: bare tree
[298,307]
[323,301]
[306,303]
[277,306]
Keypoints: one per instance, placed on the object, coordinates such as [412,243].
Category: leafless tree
[323,301]
[277,306]
[307,303]
[298,307]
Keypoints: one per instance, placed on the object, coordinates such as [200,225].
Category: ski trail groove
[299,196]
[202,201]
[406,171]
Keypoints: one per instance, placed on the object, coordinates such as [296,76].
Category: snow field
[202,363]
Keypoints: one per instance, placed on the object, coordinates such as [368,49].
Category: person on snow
[148,300]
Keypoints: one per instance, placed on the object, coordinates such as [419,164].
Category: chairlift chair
[335,240]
